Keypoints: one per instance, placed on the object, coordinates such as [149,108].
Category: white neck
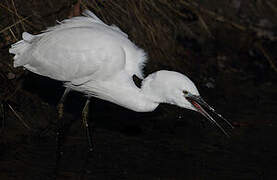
[121,90]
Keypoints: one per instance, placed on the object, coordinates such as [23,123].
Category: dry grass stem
[221,18]
[267,56]
[14,24]
[13,34]
[20,17]
[204,25]
[119,7]
[15,10]
[18,116]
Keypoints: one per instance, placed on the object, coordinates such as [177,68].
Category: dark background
[228,48]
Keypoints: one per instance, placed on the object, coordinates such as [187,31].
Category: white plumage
[99,60]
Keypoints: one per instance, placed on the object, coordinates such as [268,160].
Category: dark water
[130,145]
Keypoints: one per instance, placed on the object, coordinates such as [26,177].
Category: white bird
[99,60]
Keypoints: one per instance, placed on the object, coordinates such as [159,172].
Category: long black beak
[197,101]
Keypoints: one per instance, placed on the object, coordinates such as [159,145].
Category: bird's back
[78,50]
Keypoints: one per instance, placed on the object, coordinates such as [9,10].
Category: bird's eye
[185,92]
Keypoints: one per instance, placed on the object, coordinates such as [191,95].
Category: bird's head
[177,89]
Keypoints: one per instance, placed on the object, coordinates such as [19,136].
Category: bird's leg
[60,126]
[85,115]
[61,102]
[60,122]
[87,125]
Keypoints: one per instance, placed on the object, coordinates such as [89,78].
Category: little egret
[99,60]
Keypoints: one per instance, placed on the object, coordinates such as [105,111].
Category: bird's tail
[19,48]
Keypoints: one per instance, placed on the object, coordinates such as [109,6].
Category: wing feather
[77,48]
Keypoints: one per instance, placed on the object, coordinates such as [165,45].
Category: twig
[119,7]
[153,5]
[7,28]
[84,5]
[94,5]
[17,115]
[12,34]
[267,56]
[204,25]
[144,23]
[20,17]
[22,24]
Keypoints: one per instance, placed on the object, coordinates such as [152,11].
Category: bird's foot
[60,108]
